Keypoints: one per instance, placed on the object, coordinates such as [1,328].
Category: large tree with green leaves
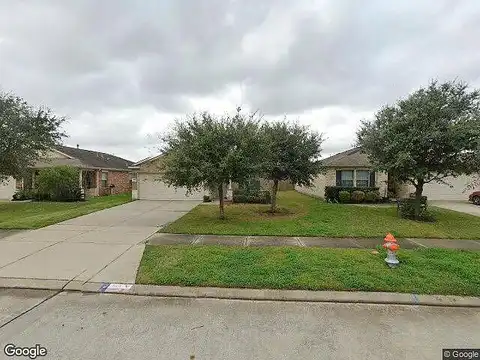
[206,151]
[292,154]
[431,134]
[25,133]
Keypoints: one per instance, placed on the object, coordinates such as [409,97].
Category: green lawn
[425,271]
[33,215]
[307,216]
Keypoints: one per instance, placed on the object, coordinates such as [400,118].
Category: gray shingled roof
[95,159]
[349,158]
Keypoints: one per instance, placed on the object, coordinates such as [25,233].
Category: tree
[59,183]
[25,132]
[432,134]
[205,151]
[292,153]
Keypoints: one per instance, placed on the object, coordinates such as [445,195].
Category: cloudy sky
[122,70]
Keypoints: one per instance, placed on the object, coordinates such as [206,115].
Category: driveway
[461,206]
[105,246]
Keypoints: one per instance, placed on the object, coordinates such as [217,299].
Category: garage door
[7,189]
[436,191]
[150,188]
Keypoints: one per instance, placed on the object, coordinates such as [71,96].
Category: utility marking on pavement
[117,287]
[413,241]
[104,287]
[197,240]
[415,298]
[300,242]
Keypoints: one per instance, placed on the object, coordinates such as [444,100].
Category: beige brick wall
[329,178]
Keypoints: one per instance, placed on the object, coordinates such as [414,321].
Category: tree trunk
[418,198]
[274,196]
[222,201]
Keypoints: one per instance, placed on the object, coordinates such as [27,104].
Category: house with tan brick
[100,173]
[351,168]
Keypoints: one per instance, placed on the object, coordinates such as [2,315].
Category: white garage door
[436,191]
[7,189]
[150,188]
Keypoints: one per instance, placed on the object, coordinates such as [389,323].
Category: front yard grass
[422,271]
[34,215]
[306,216]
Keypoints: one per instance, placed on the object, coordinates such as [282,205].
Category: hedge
[332,192]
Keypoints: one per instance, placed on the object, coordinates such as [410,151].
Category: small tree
[430,135]
[292,153]
[206,151]
[59,183]
[25,132]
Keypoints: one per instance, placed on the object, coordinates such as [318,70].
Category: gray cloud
[114,58]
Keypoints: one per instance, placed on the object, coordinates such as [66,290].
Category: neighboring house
[100,173]
[352,168]
[147,183]
[8,187]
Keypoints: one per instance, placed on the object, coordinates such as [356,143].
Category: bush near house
[332,193]
[372,197]
[357,196]
[406,209]
[59,183]
[344,196]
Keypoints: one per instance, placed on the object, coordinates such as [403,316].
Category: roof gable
[349,158]
[95,159]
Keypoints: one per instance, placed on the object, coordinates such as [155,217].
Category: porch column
[80,178]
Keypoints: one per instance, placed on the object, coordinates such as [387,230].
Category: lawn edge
[383,298]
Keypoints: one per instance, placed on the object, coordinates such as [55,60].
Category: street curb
[246,294]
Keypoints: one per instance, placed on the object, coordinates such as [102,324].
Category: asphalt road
[104,326]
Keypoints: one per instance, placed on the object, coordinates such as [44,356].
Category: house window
[347,178]
[355,178]
[362,178]
[104,178]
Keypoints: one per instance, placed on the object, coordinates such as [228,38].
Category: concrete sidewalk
[105,246]
[359,243]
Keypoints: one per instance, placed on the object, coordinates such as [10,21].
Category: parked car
[475,197]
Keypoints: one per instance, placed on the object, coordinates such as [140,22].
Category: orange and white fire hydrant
[390,243]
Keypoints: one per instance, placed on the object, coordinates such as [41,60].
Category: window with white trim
[104,178]
[347,178]
[362,178]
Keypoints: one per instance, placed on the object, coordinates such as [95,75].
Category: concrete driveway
[461,206]
[105,246]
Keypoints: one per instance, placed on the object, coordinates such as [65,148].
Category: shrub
[332,192]
[372,196]
[357,196]
[59,183]
[406,209]
[344,196]
[23,195]
[261,197]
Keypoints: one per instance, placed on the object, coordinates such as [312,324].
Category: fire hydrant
[390,243]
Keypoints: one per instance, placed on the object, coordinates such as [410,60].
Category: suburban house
[351,168]
[100,173]
[147,183]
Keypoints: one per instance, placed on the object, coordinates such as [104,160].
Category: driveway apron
[105,246]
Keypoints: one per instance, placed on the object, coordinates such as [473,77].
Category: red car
[475,197]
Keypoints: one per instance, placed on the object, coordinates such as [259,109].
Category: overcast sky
[121,70]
